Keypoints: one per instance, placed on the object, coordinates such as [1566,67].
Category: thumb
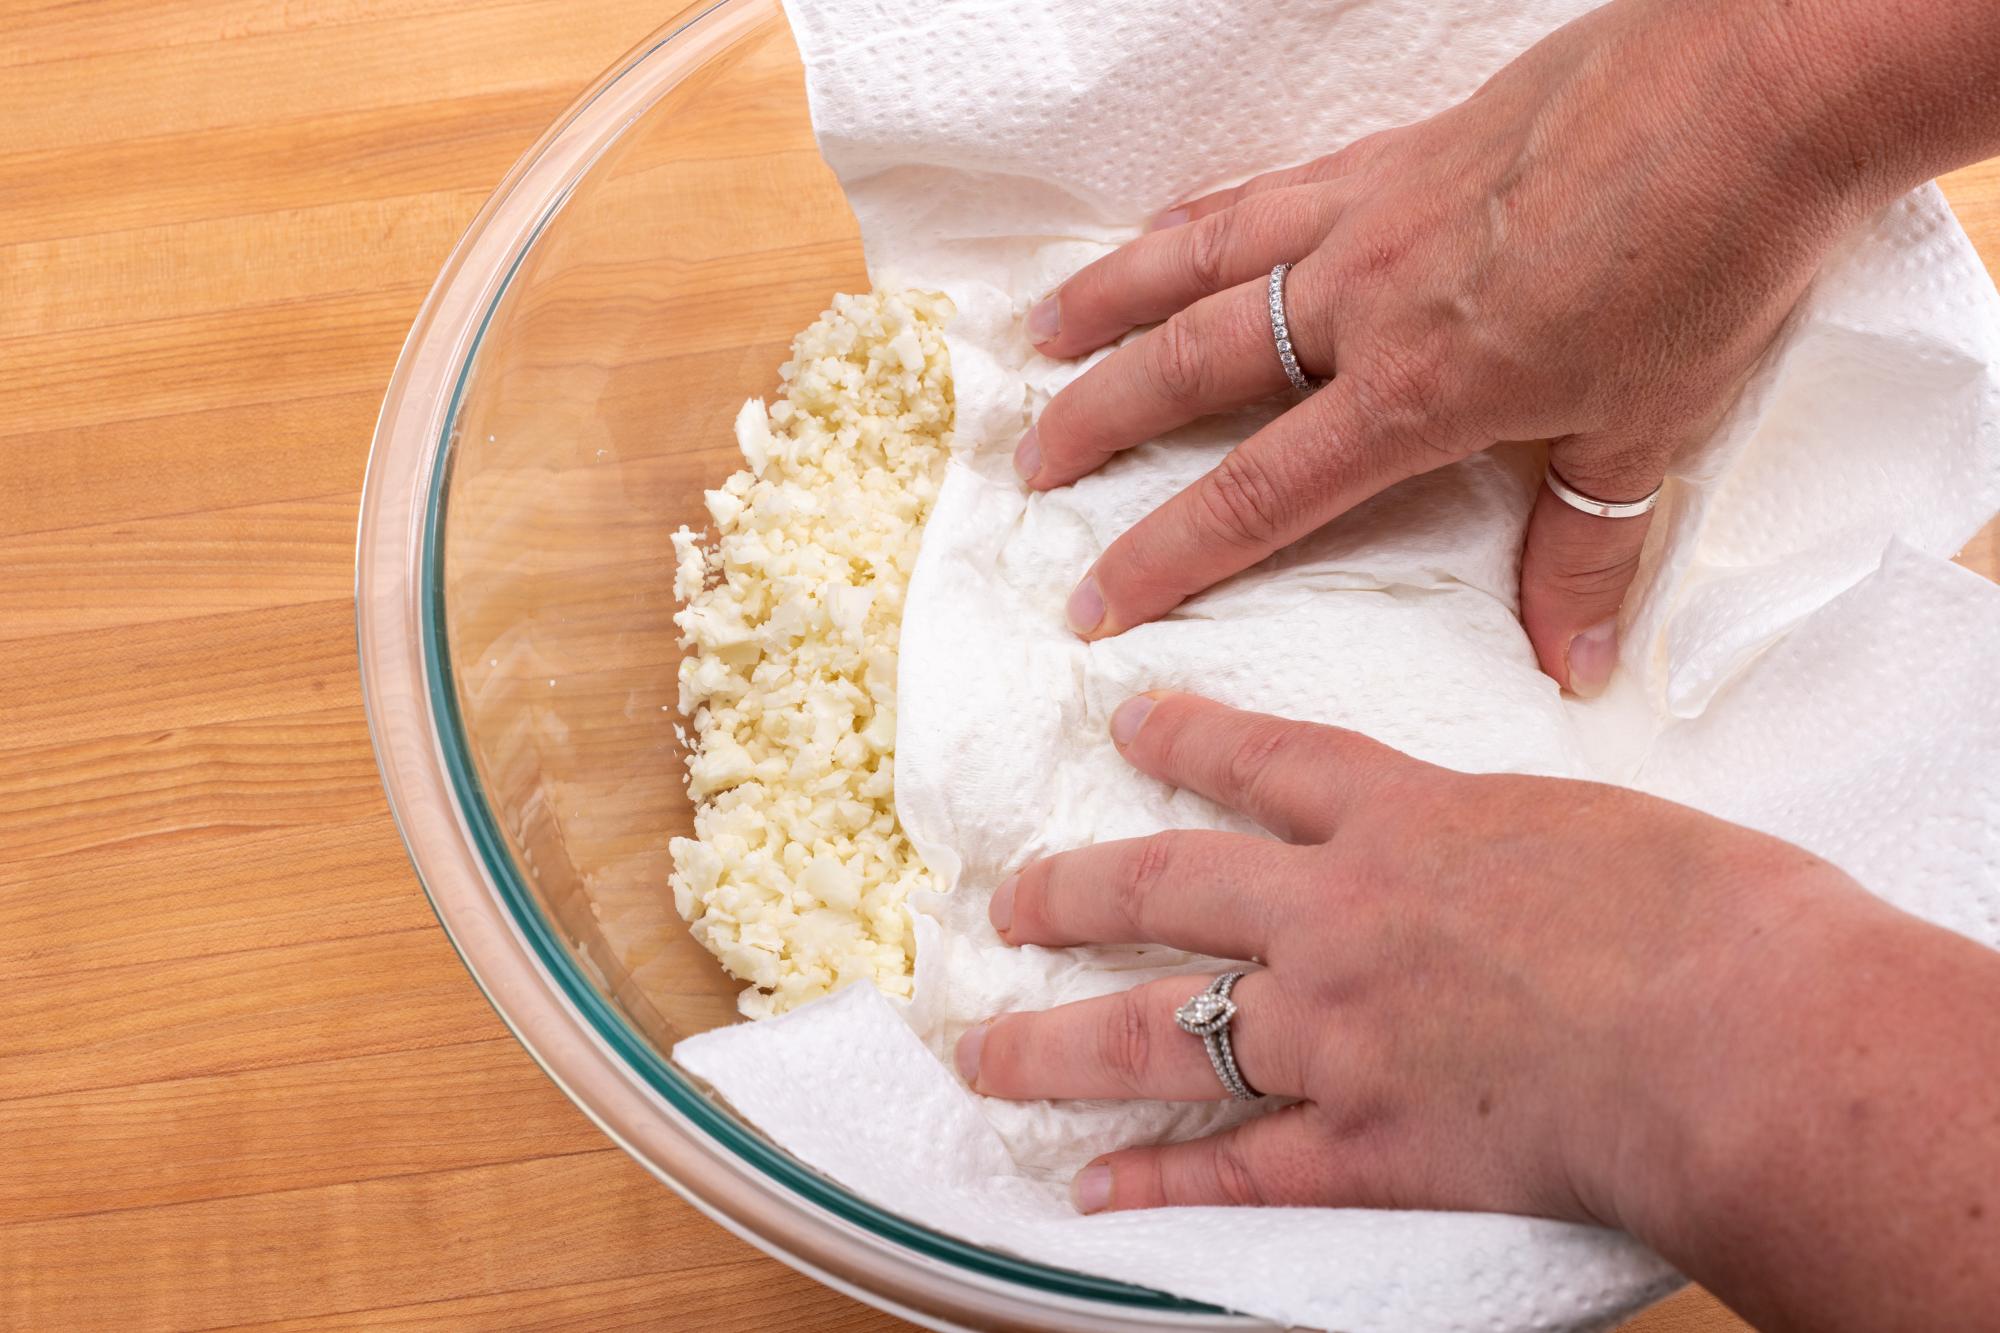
[1575,567]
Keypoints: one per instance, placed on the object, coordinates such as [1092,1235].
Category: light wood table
[243,1079]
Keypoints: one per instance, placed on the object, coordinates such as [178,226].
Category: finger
[1285,178]
[1215,355]
[1312,464]
[1206,892]
[1331,167]
[1288,1158]
[1163,271]
[1576,567]
[1297,779]
[1217,201]
[1128,1046]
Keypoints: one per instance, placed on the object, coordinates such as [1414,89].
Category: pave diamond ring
[1281,330]
[1207,1015]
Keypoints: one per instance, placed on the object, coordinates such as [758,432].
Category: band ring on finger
[1576,499]
[1207,1014]
[1281,331]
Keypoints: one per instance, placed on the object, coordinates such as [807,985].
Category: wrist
[1722,1035]
[1867,100]
[1841,1130]
[1784,124]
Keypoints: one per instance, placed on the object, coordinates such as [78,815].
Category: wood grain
[244,1082]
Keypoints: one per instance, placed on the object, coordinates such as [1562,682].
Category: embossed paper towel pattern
[1773,673]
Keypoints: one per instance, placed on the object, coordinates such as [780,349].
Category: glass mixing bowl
[565,396]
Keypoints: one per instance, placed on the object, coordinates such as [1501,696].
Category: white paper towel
[1776,675]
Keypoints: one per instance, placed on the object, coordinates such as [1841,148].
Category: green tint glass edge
[561,964]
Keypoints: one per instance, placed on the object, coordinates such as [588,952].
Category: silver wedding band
[1208,1014]
[1281,331]
[1576,499]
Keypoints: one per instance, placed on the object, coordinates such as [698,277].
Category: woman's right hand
[1532,995]
[1594,248]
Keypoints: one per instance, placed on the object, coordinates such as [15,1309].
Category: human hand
[1539,996]
[1594,249]
[1488,992]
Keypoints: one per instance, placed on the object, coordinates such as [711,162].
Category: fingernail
[1090,1191]
[1592,656]
[1173,217]
[1086,606]
[1131,715]
[1028,456]
[1001,910]
[967,1055]
[1045,319]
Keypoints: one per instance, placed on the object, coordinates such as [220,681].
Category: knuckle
[1144,872]
[1176,367]
[1000,1060]
[1404,388]
[1406,378]
[1333,165]
[1235,1179]
[1206,251]
[1389,257]
[1377,254]
[1084,287]
[1589,576]
[1130,580]
[1126,1042]
[1240,504]
[1142,573]
[1264,182]
[1263,749]
[1142,1179]
[1032,902]
[1071,436]
[1354,157]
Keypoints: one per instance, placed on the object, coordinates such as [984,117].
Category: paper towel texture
[1778,671]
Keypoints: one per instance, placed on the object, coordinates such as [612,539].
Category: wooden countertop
[243,1078]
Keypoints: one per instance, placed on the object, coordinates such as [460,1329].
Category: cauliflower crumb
[798,871]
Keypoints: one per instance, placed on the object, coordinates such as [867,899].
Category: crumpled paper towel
[1798,656]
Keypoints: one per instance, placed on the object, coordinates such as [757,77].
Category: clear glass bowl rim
[454,841]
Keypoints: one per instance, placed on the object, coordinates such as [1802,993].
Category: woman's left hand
[1487,992]
[1595,248]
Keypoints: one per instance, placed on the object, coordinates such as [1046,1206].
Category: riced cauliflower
[797,874]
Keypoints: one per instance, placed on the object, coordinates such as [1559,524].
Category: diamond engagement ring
[1576,499]
[1281,329]
[1208,1015]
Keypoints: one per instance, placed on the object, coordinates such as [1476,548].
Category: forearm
[1728,144]
[1768,126]
[1819,1140]
[1837,1163]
